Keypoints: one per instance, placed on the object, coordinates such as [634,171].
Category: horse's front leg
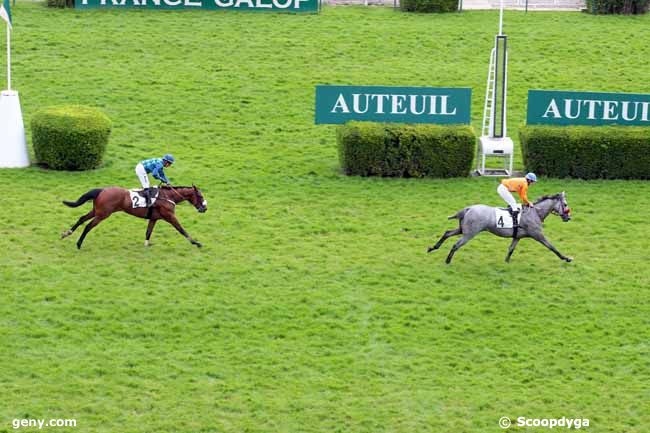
[511,250]
[152,224]
[542,240]
[173,221]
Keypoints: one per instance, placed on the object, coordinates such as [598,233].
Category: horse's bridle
[565,214]
[203,204]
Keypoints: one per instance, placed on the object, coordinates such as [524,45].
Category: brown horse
[109,200]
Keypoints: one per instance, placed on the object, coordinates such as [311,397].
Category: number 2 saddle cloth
[138,200]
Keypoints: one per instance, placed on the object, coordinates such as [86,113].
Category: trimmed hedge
[602,152]
[405,150]
[428,5]
[60,3]
[628,7]
[70,137]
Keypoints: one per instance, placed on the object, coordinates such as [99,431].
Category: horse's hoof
[430,249]
[147,244]
[198,244]
[65,234]
[78,246]
[568,259]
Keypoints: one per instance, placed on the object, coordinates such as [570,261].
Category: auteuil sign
[551,107]
[340,104]
[250,5]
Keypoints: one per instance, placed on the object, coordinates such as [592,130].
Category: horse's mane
[176,187]
[548,197]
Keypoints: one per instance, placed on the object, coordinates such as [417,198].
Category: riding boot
[147,196]
[515,221]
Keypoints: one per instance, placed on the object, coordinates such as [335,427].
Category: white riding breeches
[142,175]
[507,197]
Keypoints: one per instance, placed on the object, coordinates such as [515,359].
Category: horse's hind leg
[511,250]
[462,241]
[88,228]
[81,220]
[444,237]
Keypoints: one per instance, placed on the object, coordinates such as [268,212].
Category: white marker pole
[13,145]
[501,19]
[8,58]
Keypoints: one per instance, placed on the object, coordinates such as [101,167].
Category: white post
[13,145]
[501,19]
[8,58]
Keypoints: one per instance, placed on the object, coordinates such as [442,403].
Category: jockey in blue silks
[154,166]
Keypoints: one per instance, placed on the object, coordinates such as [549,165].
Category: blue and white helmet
[168,157]
[531,177]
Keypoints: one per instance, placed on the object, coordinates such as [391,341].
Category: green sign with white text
[340,104]
[244,5]
[551,107]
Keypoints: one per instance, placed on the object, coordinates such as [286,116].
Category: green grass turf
[313,306]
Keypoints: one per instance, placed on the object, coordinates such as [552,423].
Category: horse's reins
[175,192]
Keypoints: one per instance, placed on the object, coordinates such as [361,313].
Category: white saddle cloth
[137,200]
[503,219]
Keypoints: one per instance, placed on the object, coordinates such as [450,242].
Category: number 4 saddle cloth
[138,199]
[504,219]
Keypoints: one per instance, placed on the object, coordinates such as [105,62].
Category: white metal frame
[482,155]
[488,109]
[489,146]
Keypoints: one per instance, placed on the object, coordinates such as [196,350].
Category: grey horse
[474,219]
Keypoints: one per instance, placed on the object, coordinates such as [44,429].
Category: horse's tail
[90,195]
[458,215]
